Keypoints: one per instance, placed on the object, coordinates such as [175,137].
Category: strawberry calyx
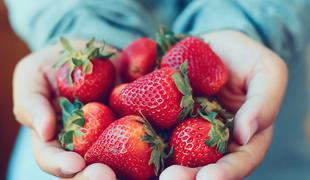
[158,146]
[75,58]
[165,39]
[221,120]
[72,120]
[218,134]
[208,106]
[183,84]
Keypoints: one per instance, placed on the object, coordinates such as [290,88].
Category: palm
[256,77]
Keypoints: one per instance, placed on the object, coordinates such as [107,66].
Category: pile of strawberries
[164,113]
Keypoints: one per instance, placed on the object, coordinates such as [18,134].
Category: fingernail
[69,163]
[251,130]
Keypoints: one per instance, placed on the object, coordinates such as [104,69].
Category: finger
[178,172]
[266,88]
[52,159]
[241,161]
[31,93]
[95,172]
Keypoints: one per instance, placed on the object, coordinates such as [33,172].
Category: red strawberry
[88,74]
[199,141]
[83,124]
[130,147]
[206,71]
[163,96]
[114,100]
[138,59]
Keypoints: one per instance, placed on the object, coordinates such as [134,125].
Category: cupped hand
[34,96]
[254,91]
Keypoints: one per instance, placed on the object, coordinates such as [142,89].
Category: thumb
[265,91]
[31,99]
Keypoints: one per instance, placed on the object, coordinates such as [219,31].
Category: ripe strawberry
[163,96]
[88,74]
[199,141]
[83,124]
[206,71]
[138,59]
[114,100]
[130,147]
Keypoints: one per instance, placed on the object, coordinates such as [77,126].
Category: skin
[258,79]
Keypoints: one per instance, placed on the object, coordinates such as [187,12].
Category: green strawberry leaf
[77,104]
[166,39]
[78,133]
[178,80]
[73,119]
[66,45]
[80,122]
[222,147]
[66,108]
[68,137]
[69,76]
[219,132]
[76,62]
[60,63]
[83,57]
[147,138]
[157,146]
[210,142]
[90,44]
[69,147]
[187,101]
[209,117]
[183,85]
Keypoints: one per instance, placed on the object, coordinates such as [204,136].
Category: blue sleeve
[40,22]
[282,25]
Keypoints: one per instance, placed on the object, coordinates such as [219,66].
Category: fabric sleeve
[40,22]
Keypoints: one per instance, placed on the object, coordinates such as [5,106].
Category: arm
[42,22]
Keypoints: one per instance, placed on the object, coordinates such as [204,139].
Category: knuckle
[18,114]
[279,63]
[25,62]
[21,117]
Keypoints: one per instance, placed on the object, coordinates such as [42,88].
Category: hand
[255,89]
[34,92]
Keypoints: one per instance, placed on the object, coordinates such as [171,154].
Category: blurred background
[12,49]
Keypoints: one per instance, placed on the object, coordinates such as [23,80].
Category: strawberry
[130,147]
[163,96]
[201,140]
[82,125]
[206,71]
[114,100]
[87,74]
[138,59]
